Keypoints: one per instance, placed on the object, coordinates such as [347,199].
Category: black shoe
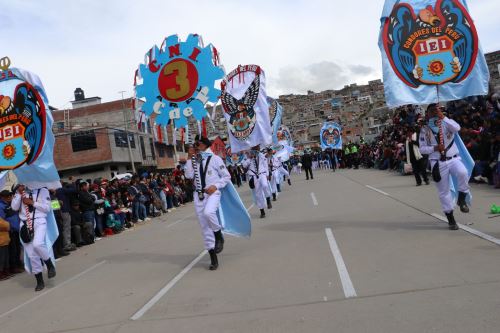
[307,178]
[269,205]
[452,224]
[461,202]
[219,241]
[214,263]
[262,213]
[419,184]
[427,182]
[274,196]
[289,182]
[39,282]
[51,270]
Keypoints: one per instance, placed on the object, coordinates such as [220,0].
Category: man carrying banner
[210,177]
[438,139]
[274,172]
[33,207]
[258,173]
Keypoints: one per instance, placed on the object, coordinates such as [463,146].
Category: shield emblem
[436,58]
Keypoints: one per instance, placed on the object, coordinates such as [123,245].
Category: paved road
[333,256]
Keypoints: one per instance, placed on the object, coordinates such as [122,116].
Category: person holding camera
[33,207]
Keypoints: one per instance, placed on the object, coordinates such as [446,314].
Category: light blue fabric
[468,162]
[232,213]
[398,93]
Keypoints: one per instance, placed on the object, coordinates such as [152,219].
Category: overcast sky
[301,44]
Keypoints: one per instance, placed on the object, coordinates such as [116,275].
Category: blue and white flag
[26,138]
[330,136]
[430,52]
[284,134]
[246,108]
[275,115]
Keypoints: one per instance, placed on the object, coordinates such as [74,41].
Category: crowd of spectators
[393,148]
[480,124]
[88,210]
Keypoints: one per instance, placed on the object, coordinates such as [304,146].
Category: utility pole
[125,121]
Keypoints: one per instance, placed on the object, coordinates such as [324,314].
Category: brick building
[91,140]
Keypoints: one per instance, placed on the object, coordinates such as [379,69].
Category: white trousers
[37,249]
[283,172]
[262,191]
[275,180]
[455,168]
[206,210]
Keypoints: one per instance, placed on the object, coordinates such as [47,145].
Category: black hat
[431,106]
[202,139]
[5,193]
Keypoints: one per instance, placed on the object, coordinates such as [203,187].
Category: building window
[143,147]
[85,140]
[121,139]
[152,147]
[170,151]
[161,150]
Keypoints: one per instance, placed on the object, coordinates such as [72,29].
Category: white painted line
[52,289]
[377,190]
[251,206]
[471,230]
[165,289]
[179,221]
[313,197]
[345,279]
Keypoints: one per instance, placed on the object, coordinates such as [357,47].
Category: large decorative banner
[275,115]
[178,79]
[330,136]
[26,138]
[246,108]
[233,159]
[284,134]
[430,52]
[218,147]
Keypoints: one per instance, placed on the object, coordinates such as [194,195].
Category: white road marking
[52,289]
[313,197]
[165,289]
[471,230]
[377,190]
[179,221]
[172,282]
[345,279]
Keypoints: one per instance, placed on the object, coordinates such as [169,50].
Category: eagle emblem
[241,111]
[435,46]
[22,127]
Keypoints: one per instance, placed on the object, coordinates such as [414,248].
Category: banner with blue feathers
[26,139]
[330,136]
[430,52]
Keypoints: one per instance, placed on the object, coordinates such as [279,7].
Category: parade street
[350,251]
